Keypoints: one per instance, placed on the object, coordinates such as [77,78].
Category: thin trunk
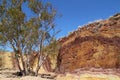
[37,69]
[40,56]
[18,63]
[39,64]
[16,56]
[41,61]
[27,62]
[23,63]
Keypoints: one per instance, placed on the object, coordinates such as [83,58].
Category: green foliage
[18,32]
[22,35]
[52,50]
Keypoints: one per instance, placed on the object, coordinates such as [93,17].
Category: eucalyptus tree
[24,36]
[46,28]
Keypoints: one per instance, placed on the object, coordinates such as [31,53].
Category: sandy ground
[9,75]
[84,75]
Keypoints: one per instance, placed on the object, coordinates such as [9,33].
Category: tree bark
[39,64]
[23,63]
[41,61]
[18,63]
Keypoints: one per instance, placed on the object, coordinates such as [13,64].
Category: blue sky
[80,12]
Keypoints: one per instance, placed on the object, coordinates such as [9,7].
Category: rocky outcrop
[7,60]
[94,45]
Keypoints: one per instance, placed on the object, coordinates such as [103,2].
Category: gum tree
[24,36]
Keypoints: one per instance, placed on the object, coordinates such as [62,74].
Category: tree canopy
[22,35]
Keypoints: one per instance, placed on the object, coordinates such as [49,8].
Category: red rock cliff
[94,45]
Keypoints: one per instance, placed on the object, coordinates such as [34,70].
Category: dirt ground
[10,75]
[83,75]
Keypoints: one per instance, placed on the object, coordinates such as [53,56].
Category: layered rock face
[94,45]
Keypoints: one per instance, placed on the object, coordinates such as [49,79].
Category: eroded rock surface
[94,45]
